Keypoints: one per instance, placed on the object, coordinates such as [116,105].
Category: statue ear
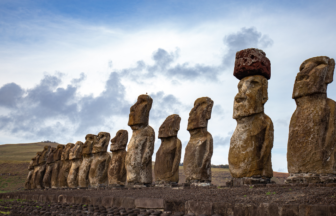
[265,91]
[330,72]
[209,109]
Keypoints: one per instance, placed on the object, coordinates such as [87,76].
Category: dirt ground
[280,194]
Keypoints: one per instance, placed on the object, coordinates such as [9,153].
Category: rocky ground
[176,200]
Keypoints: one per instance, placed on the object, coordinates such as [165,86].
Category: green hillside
[18,153]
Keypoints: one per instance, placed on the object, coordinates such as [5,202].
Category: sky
[70,68]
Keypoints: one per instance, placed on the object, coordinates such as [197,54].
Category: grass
[14,159]
[18,153]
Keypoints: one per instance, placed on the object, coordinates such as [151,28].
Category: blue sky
[69,68]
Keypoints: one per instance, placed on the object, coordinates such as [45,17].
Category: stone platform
[272,199]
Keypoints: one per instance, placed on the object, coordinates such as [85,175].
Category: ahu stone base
[236,182]
[307,178]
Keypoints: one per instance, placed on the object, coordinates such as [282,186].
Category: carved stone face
[90,140]
[103,139]
[139,113]
[170,126]
[200,113]
[314,76]
[58,153]
[66,151]
[36,158]
[251,97]
[119,141]
[44,155]
[76,151]
[50,158]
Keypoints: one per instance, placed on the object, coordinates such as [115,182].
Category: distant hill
[17,153]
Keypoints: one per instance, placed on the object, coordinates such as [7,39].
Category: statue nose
[240,98]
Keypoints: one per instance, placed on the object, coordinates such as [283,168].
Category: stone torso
[117,170]
[167,156]
[140,148]
[198,154]
[311,141]
[250,147]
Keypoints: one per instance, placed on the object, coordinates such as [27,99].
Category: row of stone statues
[88,164]
[311,143]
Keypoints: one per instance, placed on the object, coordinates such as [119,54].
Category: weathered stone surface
[84,169]
[312,135]
[117,169]
[166,168]
[149,203]
[42,167]
[251,62]
[76,158]
[65,166]
[141,146]
[57,166]
[100,162]
[30,174]
[252,140]
[49,168]
[198,153]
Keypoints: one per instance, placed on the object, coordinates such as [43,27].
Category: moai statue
[76,158]
[57,166]
[166,168]
[42,163]
[100,162]
[30,174]
[84,169]
[36,169]
[49,168]
[117,169]
[311,148]
[252,140]
[65,166]
[141,146]
[198,153]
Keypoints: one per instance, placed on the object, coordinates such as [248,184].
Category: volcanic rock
[49,168]
[252,140]
[166,168]
[141,146]
[76,158]
[100,162]
[57,166]
[84,169]
[42,167]
[251,62]
[117,169]
[198,153]
[65,166]
[311,142]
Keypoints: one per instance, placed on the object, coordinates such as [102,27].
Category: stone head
[66,151]
[200,113]
[139,112]
[44,155]
[50,158]
[103,139]
[76,151]
[36,158]
[251,97]
[58,153]
[90,140]
[120,140]
[170,126]
[31,164]
[314,76]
